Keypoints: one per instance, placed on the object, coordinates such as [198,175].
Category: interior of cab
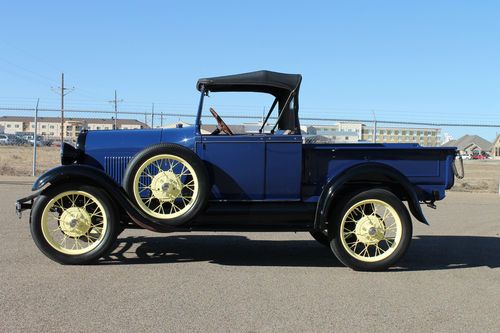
[279,119]
[278,115]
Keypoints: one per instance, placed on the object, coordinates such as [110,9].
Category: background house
[495,149]
[471,144]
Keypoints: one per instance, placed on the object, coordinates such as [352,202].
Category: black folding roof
[277,84]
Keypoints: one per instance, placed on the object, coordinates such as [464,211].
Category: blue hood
[99,146]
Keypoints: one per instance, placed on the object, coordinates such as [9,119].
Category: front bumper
[25,203]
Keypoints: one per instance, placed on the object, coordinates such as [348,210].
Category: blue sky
[433,61]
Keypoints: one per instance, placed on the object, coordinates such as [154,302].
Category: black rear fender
[363,177]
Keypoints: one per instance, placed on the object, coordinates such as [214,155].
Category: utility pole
[35,137]
[63,91]
[374,127]
[161,120]
[115,102]
[152,115]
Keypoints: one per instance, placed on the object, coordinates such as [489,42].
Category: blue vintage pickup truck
[350,197]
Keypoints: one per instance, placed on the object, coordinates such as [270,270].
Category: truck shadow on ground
[425,252]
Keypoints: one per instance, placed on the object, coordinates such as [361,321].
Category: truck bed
[429,169]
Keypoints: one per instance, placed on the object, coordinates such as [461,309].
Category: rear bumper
[25,203]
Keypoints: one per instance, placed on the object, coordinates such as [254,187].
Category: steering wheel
[221,125]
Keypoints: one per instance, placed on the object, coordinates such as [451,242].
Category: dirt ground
[480,176]
[18,160]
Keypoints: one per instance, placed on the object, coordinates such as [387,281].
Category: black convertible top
[284,87]
[277,84]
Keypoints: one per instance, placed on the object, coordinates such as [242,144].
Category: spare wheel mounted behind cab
[168,182]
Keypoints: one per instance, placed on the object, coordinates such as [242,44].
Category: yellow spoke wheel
[168,183]
[372,230]
[74,223]
[165,186]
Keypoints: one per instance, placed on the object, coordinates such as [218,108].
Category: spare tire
[168,182]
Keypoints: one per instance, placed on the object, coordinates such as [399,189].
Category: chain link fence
[17,128]
[19,120]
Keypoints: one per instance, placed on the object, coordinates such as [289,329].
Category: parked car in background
[19,141]
[11,139]
[30,139]
[464,156]
[482,156]
[4,139]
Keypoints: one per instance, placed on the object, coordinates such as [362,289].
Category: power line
[25,77]
[28,70]
[115,102]
[26,53]
[421,116]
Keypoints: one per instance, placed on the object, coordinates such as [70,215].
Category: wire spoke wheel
[74,222]
[165,186]
[371,230]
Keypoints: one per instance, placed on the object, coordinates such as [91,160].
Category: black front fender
[79,172]
[366,171]
[94,176]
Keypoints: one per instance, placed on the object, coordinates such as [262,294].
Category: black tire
[178,151]
[105,243]
[393,253]
[320,237]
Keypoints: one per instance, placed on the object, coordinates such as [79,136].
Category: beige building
[429,137]
[360,132]
[12,125]
[325,130]
[50,127]
[495,149]
[351,127]
[176,124]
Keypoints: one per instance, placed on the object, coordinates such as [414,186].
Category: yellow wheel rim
[74,222]
[371,230]
[165,186]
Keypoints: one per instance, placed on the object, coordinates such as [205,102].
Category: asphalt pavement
[257,282]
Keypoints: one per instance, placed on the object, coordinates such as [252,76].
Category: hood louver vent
[115,166]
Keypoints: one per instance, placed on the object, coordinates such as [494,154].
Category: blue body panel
[283,167]
[253,167]
[236,166]
[112,150]
[427,168]
[263,167]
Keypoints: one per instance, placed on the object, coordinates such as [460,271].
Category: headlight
[69,154]
[80,141]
